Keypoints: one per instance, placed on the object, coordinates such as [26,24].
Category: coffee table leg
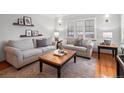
[41,66]
[74,58]
[59,72]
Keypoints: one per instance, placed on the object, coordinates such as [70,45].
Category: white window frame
[76,20]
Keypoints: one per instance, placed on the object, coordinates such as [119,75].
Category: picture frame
[28,32]
[20,21]
[35,33]
[27,20]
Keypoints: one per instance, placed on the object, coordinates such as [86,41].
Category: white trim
[2,59]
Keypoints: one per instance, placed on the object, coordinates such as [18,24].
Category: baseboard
[2,60]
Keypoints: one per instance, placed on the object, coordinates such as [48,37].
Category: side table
[112,47]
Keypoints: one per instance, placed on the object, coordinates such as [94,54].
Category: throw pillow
[49,40]
[85,43]
[78,42]
[70,40]
[41,42]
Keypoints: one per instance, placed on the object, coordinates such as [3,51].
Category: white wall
[113,25]
[44,23]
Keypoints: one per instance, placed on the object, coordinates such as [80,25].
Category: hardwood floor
[105,66]
[4,65]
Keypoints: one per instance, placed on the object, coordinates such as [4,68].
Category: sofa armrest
[11,51]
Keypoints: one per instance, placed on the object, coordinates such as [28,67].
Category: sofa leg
[18,69]
[84,57]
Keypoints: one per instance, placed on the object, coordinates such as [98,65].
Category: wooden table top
[109,46]
[57,60]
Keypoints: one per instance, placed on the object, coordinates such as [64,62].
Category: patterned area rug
[83,68]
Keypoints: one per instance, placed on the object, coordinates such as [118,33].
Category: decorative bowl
[107,42]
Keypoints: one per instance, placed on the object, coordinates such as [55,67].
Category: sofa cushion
[77,48]
[31,52]
[22,44]
[48,48]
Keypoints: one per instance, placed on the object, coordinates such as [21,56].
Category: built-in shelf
[30,36]
[21,25]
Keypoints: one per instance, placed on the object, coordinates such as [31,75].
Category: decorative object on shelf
[27,20]
[20,21]
[28,32]
[35,33]
[30,36]
[31,33]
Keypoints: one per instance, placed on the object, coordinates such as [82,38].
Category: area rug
[83,68]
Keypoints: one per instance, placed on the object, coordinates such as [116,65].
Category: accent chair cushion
[22,44]
[77,48]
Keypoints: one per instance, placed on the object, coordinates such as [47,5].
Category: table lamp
[56,34]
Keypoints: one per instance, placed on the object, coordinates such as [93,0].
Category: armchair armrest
[90,45]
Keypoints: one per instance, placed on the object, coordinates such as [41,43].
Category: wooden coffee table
[56,61]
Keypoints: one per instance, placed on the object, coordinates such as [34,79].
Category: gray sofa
[83,48]
[22,52]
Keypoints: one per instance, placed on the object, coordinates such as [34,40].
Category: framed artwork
[27,20]
[28,32]
[35,33]
[20,21]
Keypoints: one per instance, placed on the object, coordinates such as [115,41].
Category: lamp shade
[56,34]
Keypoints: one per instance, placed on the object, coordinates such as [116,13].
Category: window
[107,35]
[79,28]
[82,28]
[89,28]
[70,32]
